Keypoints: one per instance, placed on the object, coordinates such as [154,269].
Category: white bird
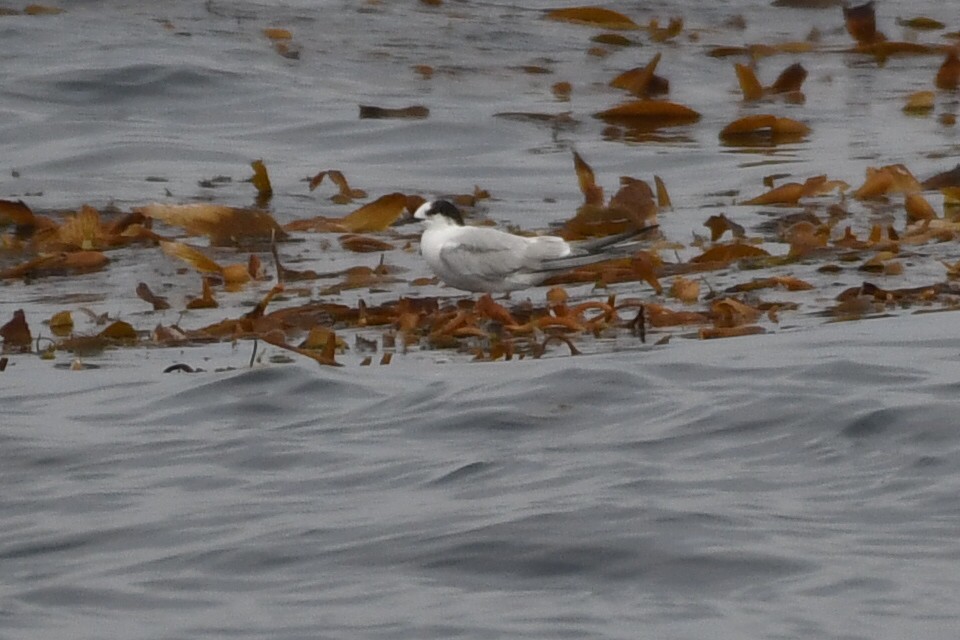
[483,259]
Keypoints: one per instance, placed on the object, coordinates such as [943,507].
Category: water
[700,489]
[798,484]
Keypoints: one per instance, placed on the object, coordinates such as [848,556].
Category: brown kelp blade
[750,85]
[592,193]
[658,113]
[594,17]
[225,226]
[861,22]
[642,81]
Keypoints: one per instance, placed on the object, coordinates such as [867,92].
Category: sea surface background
[799,484]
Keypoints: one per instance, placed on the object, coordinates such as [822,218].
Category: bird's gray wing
[593,245]
[586,252]
[485,254]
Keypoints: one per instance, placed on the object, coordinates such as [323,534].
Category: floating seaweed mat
[593,16]
[81,231]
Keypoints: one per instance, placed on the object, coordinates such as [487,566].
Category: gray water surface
[801,484]
[704,490]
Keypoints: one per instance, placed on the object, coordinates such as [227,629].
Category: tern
[482,259]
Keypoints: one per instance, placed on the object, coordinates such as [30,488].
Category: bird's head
[439,211]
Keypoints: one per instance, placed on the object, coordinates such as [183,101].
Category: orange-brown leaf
[663,196]
[119,330]
[861,22]
[920,102]
[921,23]
[788,193]
[951,195]
[375,216]
[345,194]
[83,231]
[918,208]
[82,261]
[883,49]
[144,293]
[764,124]
[660,316]
[487,308]
[710,333]
[593,16]
[749,124]
[726,253]
[750,86]
[41,10]
[276,33]
[363,244]
[411,112]
[733,313]
[61,323]
[659,111]
[206,300]
[225,226]
[719,225]
[261,180]
[592,193]
[943,179]
[318,339]
[326,357]
[789,283]
[642,81]
[790,79]
[684,290]
[635,200]
[804,237]
[16,213]
[235,275]
[662,34]
[191,255]
[561,90]
[948,76]
[894,178]
[593,220]
[877,184]
[16,332]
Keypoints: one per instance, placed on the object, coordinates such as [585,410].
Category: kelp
[718,285]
